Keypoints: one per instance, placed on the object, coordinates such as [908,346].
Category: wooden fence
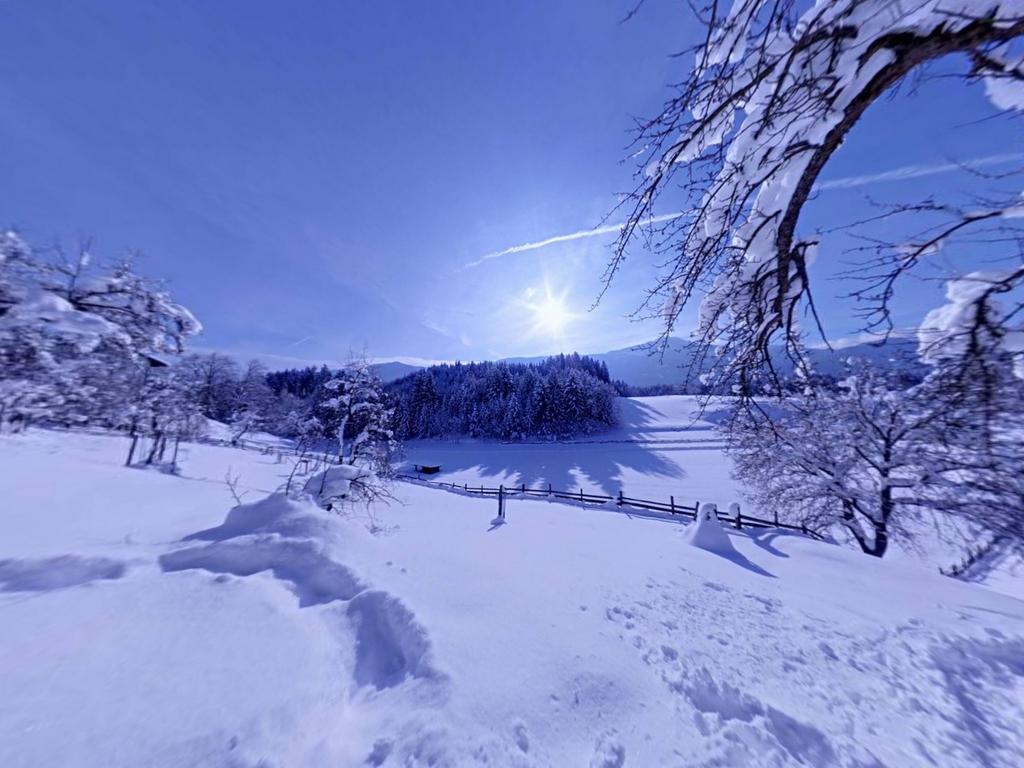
[672,508]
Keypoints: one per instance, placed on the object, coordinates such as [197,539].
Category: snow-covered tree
[253,402]
[354,411]
[214,379]
[158,406]
[854,459]
[64,321]
[775,89]
[977,377]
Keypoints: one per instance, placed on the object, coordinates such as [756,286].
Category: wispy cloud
[848,182]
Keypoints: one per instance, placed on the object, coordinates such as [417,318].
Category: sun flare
[551,315]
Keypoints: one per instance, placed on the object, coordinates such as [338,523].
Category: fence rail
[672,507]
[502,492]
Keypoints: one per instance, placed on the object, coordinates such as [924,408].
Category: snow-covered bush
[336,485]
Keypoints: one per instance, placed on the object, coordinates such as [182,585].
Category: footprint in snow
[609,751]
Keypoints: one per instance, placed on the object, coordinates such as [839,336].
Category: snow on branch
[773,93]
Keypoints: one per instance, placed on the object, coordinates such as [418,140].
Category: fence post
[620,497]
[581,496]
[524,489]
[739,518]
[465,487]
[803,527]
[549,489]
[672,504]
[501,501]
[775,515]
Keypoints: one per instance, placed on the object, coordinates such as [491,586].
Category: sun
[551,315]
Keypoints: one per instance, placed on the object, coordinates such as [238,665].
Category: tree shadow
[763,537]
[596,467]
[636,416]
[743,562]
[647,436]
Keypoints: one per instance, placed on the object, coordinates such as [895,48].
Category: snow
[56,317]
[707,533]
[1006,91]
[948,331]
[217,431]
[146,622]
[335,483]
[774,89]
[663,447]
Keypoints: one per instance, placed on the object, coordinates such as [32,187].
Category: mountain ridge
[640,367]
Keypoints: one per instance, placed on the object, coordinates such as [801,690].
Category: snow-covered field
[143,624]
[664,446]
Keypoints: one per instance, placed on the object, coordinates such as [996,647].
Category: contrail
[607,229]
[915,172]
[848,182]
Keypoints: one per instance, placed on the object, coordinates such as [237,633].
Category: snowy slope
[145,625]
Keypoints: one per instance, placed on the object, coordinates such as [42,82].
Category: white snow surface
[145,623]
[664,446]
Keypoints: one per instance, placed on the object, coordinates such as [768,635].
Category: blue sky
[316,177]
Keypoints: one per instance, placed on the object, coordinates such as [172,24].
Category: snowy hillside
[146,624]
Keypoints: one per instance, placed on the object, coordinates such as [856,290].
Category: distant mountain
[639,367]
[389,371]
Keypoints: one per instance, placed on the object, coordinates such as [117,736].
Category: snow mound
[274,514]
[293,541]
[314,577]
[706,532]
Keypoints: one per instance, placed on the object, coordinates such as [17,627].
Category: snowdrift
[143,626]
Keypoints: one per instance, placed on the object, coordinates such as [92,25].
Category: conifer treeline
[558,397]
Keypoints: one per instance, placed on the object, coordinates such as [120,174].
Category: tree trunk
[133,433]
[153,450]
[341,440]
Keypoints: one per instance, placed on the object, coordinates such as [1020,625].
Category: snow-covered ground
[142,623]
[664,446]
